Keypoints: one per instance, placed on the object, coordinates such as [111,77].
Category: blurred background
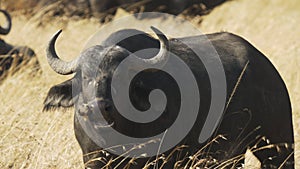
[107,8]
[30,138]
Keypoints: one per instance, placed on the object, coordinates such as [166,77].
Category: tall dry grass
[30,138]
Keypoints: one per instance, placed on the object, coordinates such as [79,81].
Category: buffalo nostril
[91,106]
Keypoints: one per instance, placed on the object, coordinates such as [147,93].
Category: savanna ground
[30,138]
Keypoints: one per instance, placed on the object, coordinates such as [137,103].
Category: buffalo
[257,112]
[12,56]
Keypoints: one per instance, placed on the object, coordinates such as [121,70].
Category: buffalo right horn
[5,31]
[161,58]
[58,65]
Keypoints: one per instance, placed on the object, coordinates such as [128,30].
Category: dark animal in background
[175,7]
[98,7]
[259,108]
[11,56]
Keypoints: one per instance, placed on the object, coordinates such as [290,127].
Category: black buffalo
[11,55]
[258,102]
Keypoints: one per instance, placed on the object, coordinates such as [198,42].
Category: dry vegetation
[30,138]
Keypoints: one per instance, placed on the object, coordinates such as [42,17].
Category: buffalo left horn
[58,65]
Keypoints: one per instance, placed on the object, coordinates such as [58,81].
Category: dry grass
[30,138]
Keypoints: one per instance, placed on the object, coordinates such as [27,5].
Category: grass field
[32,139]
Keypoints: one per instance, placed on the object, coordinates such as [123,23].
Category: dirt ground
[32,139]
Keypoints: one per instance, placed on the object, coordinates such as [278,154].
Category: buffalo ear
[60,96]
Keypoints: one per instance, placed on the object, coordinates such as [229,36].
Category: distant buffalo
[169,6]
[258,104]
[11,56]
[98,7]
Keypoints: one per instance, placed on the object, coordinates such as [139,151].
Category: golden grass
[30,138]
